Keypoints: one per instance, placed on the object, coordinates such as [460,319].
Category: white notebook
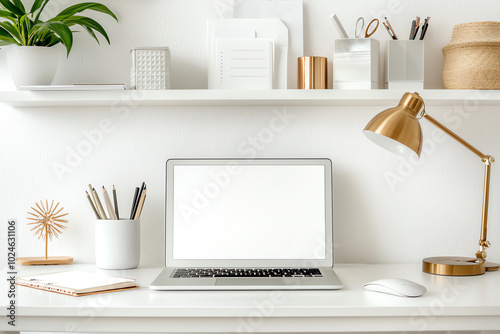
[76,283]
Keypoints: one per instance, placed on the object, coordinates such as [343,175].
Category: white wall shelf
[241,98]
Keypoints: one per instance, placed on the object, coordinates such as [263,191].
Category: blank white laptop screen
[248,212]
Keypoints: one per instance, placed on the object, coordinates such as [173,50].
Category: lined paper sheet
[244,63]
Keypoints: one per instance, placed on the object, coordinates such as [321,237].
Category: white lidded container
[150,68]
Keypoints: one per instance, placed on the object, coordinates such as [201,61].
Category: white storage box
[356,63]
[150,68]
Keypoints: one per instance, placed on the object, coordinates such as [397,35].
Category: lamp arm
[455,136]
[487,159]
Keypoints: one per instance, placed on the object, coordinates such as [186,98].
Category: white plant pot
[32,65]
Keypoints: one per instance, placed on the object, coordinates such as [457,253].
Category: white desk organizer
[117,244]
[150,68]
[405,65]
[356,63]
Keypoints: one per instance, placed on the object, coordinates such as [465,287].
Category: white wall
[436,210]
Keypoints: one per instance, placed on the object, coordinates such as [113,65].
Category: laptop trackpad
[250,281]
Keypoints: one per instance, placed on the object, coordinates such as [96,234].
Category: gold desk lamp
[398,130]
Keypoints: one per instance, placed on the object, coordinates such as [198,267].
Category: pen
[107,202]
[133,202]
[390,27]
[143,187]
[424,27]
[116,203]
[92,205]
[416,32]
[388,30]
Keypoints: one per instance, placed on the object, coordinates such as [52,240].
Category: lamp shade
[398,129]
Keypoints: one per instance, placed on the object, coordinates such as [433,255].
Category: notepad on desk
[77,283]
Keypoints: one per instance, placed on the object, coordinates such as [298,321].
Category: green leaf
[36,5]
[72,10]
[26,28]
[6,38]
[87,23]
[53,40]
[62,31]
[37,18]
[42,37]
[19,5]
[9,27]
[9,6]
[91,33]
[8,15]
[5,42]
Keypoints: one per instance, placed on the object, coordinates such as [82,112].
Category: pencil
[99,205]
[93,197]
[412,29]
[116,203]
[109,206]
[141,204]
[92,205]
[133,203]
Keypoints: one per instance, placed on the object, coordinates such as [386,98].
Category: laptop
[248,224]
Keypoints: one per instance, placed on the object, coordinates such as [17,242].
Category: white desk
[466,303]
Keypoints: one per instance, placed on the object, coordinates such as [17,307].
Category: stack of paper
[247,54]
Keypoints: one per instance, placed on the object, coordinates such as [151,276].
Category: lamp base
[491,266]
[455,266]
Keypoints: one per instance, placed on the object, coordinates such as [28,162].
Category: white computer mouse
[396,286]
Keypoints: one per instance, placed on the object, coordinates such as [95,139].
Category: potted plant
[31,58]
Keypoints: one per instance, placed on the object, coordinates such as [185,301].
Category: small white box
[356,63]
[150,68]
[405,65]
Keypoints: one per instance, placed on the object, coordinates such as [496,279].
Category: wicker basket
[472,59]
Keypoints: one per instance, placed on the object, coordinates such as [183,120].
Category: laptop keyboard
[263,272]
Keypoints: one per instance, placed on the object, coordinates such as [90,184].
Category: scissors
[360,24]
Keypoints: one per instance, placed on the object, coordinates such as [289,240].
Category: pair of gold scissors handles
[359,28]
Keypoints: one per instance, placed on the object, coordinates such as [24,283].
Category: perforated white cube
[150,68]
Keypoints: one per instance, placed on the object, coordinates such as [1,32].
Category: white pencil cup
[356,63]
[117,244]
[405,65]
